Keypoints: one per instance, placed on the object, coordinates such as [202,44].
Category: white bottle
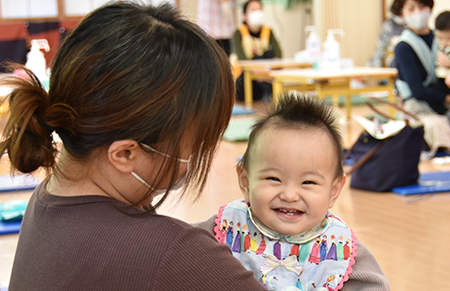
[313,46]
[332,51]
[35,59]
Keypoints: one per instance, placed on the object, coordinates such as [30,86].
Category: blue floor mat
[241,110]
[18,183]
[10,227]
[433,182]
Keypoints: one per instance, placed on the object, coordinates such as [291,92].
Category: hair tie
[44,124]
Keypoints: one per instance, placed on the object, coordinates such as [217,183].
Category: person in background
[290,176]
[389,33]
[416,58]
[442,31]
[216,17]
[140,98]
[417,84]
[253,40]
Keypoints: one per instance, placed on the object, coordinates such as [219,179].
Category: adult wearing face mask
[416,58]
[253,40]
[389,34]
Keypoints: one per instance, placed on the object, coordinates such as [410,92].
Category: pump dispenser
[332,50]
[36,60]
[313,46]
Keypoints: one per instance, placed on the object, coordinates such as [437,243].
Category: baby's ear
[336,189]
[243,181]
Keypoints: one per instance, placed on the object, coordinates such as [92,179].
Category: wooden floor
[408,235]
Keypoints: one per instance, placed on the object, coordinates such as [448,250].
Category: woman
[391,30]
[415,56]
[253,40]
[127,90]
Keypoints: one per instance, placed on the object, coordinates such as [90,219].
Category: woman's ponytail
[27,137]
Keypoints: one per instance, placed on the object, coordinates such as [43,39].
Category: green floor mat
[356,100]
[239,129]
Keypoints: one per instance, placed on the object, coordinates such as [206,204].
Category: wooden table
[254,69]
[336,83]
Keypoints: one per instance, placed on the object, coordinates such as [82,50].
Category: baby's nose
[290,194]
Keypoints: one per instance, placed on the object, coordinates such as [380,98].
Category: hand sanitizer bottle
[36,60]
[313,46]
[332,51]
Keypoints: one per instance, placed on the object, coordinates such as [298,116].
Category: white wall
[439,6]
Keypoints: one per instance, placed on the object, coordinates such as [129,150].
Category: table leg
[277,89]
[248,88]
[335,99]
[391,97]
[348,105]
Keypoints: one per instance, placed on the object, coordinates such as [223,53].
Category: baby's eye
[273,179]
[309,183]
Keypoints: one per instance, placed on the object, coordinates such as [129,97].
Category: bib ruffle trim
[217,222]
[351,263]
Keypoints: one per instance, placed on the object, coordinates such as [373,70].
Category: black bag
[380,165]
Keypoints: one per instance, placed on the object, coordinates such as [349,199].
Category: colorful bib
[319,259]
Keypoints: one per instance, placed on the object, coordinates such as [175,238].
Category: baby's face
[443,39]
[291,179]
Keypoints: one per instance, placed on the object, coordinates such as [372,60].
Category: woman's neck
[75,178]
[254,29]
[423,31]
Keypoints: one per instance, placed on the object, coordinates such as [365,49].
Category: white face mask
[156,192]
[256,18]
[417,21]
[177,185]
[398,19]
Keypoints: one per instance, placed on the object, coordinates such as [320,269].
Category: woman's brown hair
[126,72]
[401,3]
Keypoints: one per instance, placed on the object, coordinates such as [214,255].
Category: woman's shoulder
[402,47]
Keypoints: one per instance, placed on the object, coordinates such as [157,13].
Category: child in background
[442,31]
[290,175]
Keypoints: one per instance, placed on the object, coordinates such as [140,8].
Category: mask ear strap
[142,180]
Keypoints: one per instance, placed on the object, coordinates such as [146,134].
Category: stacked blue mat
[10,183]
[432,182]
[241,110]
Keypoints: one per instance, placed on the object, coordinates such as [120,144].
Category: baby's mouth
[289,212]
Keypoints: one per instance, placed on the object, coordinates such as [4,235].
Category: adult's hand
[442,60]
[447,81]
[447,99]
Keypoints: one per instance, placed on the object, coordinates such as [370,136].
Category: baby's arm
[208,224]
[367,274]
[447,80]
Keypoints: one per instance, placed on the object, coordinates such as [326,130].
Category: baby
[442,31]
[290,176]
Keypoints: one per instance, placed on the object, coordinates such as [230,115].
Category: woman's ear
[336,189]
[123,154]
[243,182]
